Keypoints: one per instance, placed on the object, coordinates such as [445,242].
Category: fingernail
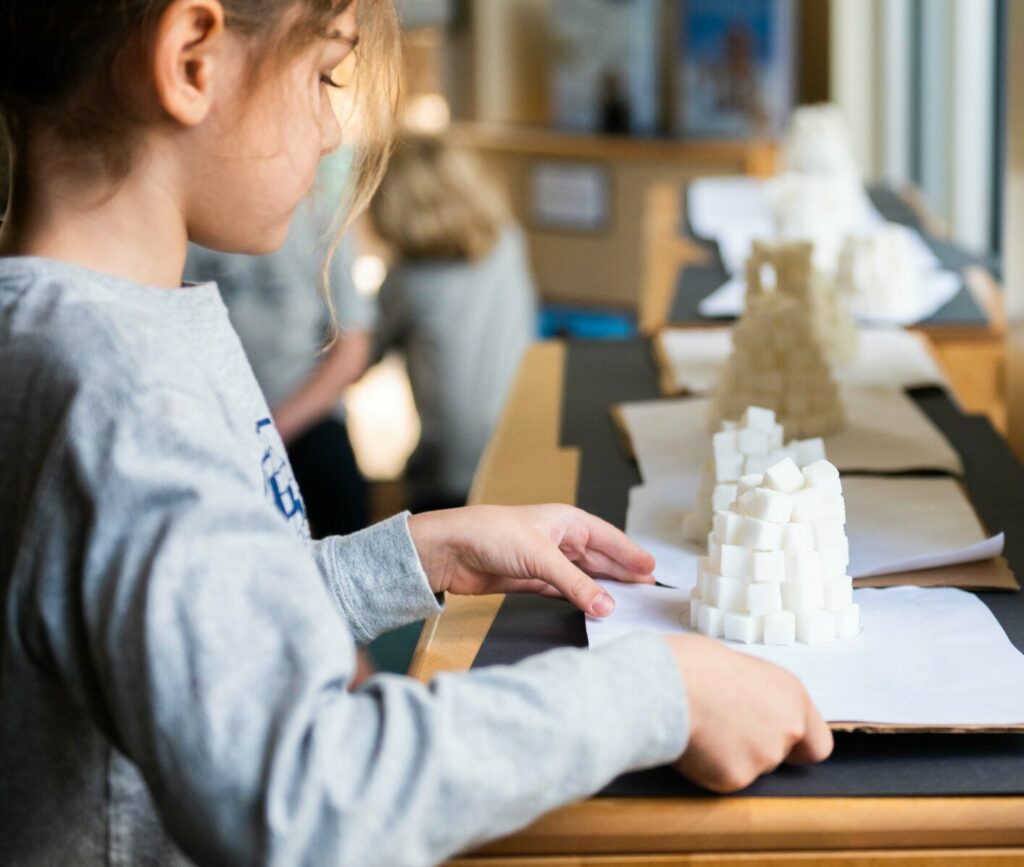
[604,605]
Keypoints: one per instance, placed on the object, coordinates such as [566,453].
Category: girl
[459,303]
[175,651]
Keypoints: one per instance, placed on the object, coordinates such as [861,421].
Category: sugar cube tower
[778,359]
[821,209]
[776,566]
[878,272]
[817,142]
[739,450]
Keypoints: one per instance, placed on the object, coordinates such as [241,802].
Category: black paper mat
[696,282]
[599,374]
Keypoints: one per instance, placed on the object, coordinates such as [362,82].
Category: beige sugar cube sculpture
[777,360]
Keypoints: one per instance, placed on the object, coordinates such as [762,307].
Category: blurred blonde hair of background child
[459,303]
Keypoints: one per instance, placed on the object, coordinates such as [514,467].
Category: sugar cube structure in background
[776,567]
[732,472]
[782,344]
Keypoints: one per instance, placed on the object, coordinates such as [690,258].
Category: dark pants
[334,491]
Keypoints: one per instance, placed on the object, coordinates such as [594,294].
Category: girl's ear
[184,55]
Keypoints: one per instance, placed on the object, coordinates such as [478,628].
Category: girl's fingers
[573,583]
[816,744]
[616,545]
[601,566]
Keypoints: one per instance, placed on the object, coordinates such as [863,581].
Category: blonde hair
[436,202]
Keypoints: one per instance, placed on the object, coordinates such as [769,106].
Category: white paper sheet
[938,288]
[935,657]
[884,432]
[886,357]
[654,520]
[893,525]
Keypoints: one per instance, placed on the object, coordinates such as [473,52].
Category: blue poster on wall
[736,67]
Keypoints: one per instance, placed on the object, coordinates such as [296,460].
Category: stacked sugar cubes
[818,143]
[778,360]
[776,566]
[879,273]
[740,449]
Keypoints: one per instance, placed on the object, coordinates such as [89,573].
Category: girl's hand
[552,550]
[747,716]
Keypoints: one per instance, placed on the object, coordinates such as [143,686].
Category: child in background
[276,307]
[459,303]
[175,652]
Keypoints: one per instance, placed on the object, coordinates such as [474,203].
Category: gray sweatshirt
[176,653]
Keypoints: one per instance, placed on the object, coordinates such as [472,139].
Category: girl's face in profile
[263,140]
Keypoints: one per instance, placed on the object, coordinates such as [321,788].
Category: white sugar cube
[833,506]
[722,497]
[803,566]
[752,442]
[727,528]
[828,533]
[758,535]
[709,620]
[810,451]
[768,566]
[769,505]
[734,561]
[755,464]
[798,537]
[725,443]
[744,501]
[729,594]
[759,418]
[730,425]
[807,505]
[776,437]
[748,483]
[815,627]
[703,580]
[695,605]
[784,476]
[834,561]
[714,553]
[802,595]
[764,599]
[823,476]
[742,627]
[728,468]
[780,628]
[847,622]
[838,592]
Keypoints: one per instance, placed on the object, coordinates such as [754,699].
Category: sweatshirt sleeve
[376,578]
[212,654]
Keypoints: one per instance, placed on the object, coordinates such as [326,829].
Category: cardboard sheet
[885,432]
[689,359]
[919,531]
[930,659]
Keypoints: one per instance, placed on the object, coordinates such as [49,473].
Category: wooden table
[974,357]
[525,464]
